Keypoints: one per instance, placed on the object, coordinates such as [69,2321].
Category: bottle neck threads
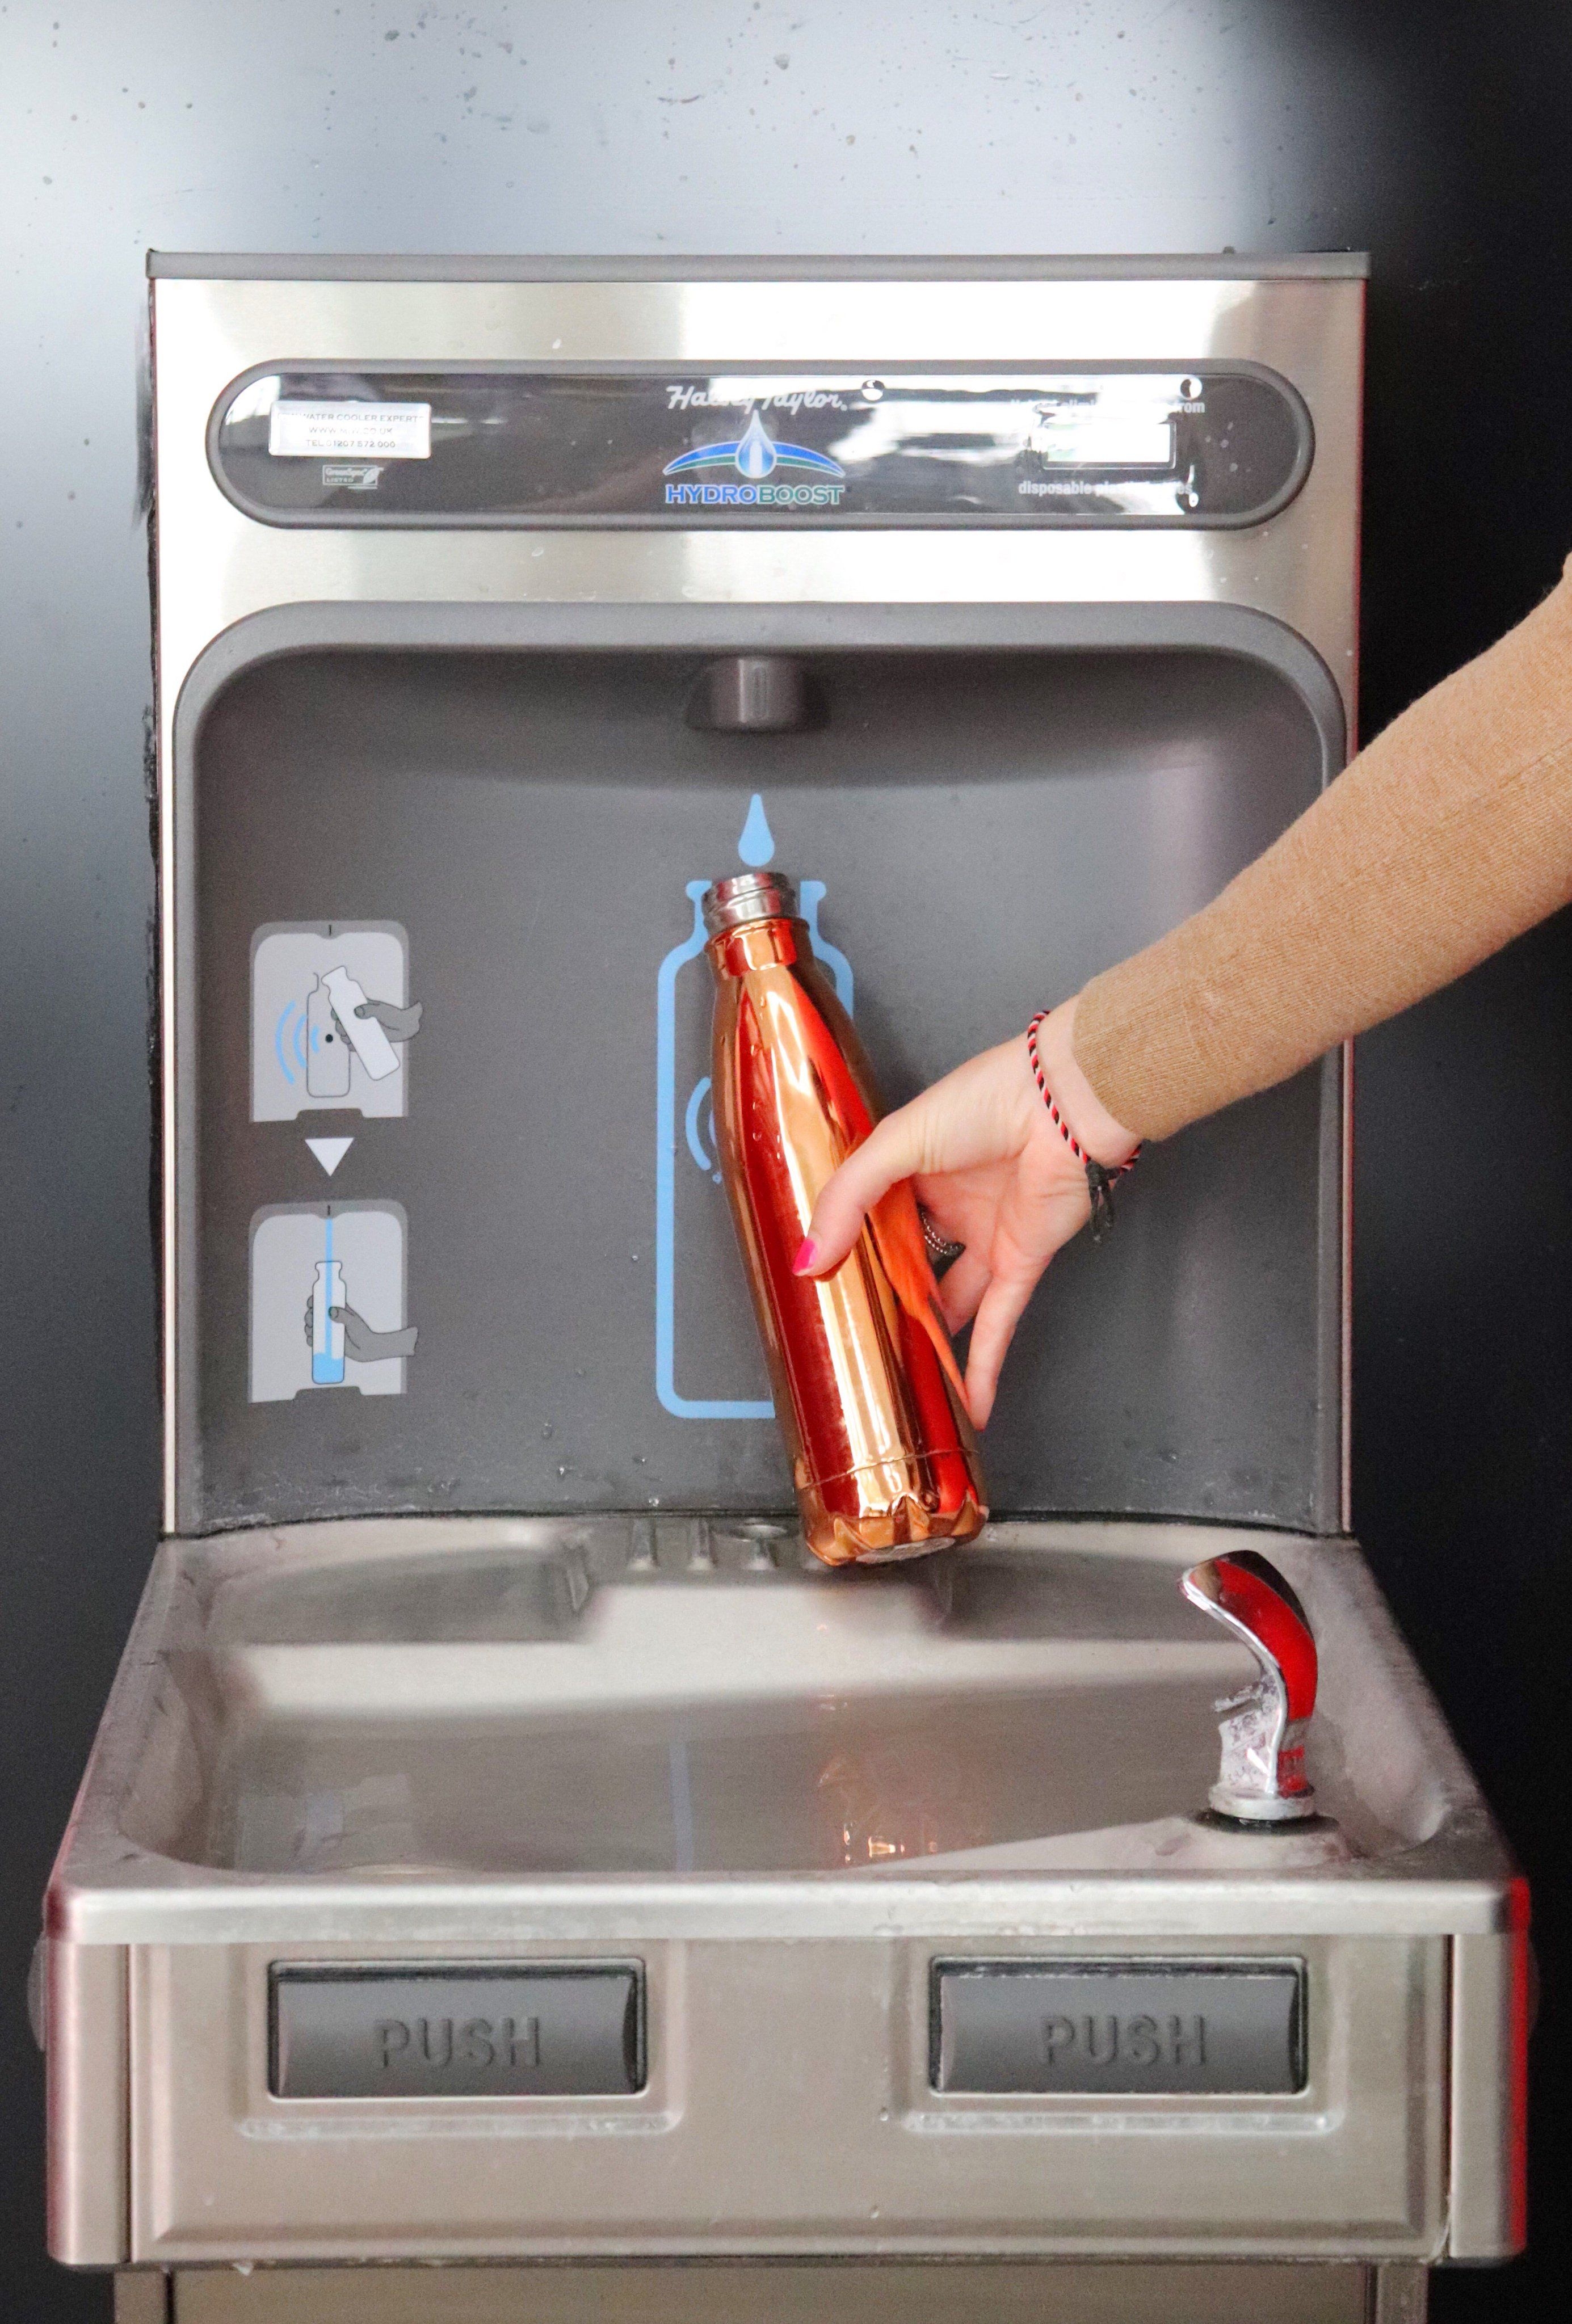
[751,896]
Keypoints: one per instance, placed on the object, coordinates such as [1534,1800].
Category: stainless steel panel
[788,2112]
[1401,2295]
[1057,2026]
[456,2031]
[272,1667]
[89,2103]
[217,568]
[143,2295]
[491,266]
[1488,2195]
[239,1814]
[1127,2293]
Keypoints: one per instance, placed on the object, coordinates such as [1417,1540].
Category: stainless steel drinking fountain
[511,1880]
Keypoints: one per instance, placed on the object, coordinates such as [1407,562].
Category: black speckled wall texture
[1434,136]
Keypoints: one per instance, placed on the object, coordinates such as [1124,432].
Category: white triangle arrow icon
[330,1151]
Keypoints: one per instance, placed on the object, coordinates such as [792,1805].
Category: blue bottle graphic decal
[328,1336]
[757,843]
[694,1250]
[810,894]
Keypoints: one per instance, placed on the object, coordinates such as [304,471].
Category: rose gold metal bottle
[866,1389]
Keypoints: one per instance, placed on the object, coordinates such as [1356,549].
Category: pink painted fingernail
[803,1262]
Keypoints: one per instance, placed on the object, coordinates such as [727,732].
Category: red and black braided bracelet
[1101,1178]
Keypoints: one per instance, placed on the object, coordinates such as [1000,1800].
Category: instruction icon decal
[331,1019]
[327,1300]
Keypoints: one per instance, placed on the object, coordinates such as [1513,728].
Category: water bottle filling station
[505,1844]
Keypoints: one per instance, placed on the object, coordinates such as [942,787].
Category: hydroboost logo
[757,455]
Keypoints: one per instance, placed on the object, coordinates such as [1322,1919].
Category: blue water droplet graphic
[757,843]
[755,452]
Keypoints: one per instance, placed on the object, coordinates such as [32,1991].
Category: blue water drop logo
[757,843]
[755,453]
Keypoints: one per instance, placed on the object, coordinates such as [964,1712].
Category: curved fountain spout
[1262,1775]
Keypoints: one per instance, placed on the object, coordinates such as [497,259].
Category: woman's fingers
[890,1152]
[961,1287]
[1000,1309]
[972,1117]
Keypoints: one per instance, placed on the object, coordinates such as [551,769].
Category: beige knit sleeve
[1451,833]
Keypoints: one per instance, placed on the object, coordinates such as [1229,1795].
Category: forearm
[1448,836]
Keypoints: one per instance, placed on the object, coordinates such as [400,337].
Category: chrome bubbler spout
[1262,1775]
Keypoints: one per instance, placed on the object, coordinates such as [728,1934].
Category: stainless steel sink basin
[542,1699]
[543,1712]
[778,1798]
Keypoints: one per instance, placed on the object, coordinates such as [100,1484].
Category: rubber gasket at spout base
[1258,1808]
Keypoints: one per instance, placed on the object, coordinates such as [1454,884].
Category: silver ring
[940,1248]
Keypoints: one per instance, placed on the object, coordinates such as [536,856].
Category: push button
[1117,2025]
[543,2030]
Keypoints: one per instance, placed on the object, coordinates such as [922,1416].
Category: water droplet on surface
[755,453]
[757,843]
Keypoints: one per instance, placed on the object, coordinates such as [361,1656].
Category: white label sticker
[328,431]
[1103,439]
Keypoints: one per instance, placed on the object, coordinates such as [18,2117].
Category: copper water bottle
[866,1389]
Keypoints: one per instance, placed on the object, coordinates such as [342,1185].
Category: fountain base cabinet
[1066,2291]
[512,1879]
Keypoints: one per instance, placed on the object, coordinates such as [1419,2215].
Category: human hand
[365,1346]
[995,1173]
[398,1024]
[361,1345]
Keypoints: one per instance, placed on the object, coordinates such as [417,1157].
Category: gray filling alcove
[988,827]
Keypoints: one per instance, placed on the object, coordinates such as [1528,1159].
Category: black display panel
[1126,444]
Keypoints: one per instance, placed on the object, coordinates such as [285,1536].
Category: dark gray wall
[1436,135]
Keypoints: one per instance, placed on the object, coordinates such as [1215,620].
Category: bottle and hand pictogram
[330,1019]
[329,1300]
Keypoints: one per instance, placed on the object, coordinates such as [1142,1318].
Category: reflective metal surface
[493,445]
[1067,2291]
[1262,1779]
[461,1697]
[883,1461]
[786,1791]
[216,567]
[209,332]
